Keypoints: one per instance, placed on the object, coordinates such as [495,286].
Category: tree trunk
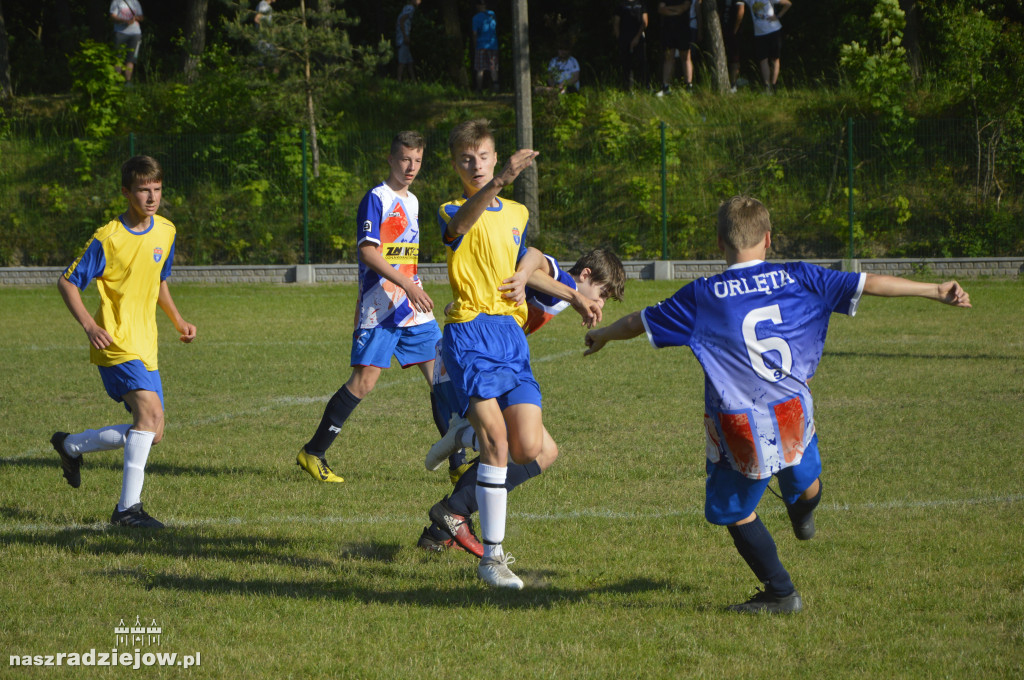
[526,185]
[912,37]
[453,45]
[6,92]
[310,104]
[196,37]
[716,46]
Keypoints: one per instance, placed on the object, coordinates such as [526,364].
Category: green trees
[305,53]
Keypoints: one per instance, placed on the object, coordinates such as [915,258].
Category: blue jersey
[758,330]
[391,222]
[541,307]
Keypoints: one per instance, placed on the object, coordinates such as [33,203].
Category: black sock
[799,510]
[463,498]
[517,474]
[757,548]
[338,409]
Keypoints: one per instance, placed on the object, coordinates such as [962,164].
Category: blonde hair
[742,222]
[470,135]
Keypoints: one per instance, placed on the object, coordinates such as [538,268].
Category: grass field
[916,571]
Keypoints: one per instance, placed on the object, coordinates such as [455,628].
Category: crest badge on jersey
[516,236]
[158,254]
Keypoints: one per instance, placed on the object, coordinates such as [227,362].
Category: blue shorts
[730,497]
[411,345]
[123,378]
[488,358]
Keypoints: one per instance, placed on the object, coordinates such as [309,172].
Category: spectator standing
[127,17]
[485,46]
[731,13]
[675,41]
[403,40]
[768,37]
[629,25]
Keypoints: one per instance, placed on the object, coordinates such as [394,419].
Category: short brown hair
[409,139]
[141,169]
[742,222]
[605,270]
[470,135]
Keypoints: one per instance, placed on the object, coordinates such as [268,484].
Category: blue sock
[801,508]
[456,459]
[463,498]
[442,427]
[757,548]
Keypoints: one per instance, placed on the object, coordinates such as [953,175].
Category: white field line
[607,514]
[274,404]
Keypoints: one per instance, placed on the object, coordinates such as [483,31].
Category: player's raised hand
[516,163]
[951,293]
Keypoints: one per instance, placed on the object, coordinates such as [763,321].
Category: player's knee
[548,455]
[525,453]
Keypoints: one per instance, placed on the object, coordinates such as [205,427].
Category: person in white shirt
[564,72]
[127,15]
[768,37]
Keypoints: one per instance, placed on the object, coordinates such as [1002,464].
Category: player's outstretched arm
[372,258]
[587,308]
[949,292]
[474,207]
[98,336]
[514,287]
[625,328]
[166,302]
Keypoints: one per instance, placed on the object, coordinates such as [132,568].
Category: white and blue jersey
[758,330]
[392,223]
[541,307]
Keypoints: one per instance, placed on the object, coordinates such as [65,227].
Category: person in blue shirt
[758,330]
[485,46]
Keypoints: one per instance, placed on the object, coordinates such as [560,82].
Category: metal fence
[941,189]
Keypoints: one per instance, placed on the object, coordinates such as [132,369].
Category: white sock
[467,439]
[492,499]
[103,439]
[136,451]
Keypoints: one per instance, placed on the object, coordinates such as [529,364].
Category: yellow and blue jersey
[128,268]
[484,257]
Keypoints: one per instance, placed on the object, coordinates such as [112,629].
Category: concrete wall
[952,268]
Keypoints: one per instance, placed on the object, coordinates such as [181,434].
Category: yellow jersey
[128,267]
[481,259]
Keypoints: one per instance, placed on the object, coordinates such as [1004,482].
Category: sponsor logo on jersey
[158,254]
[367,226]
[401,253]
[516,236]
